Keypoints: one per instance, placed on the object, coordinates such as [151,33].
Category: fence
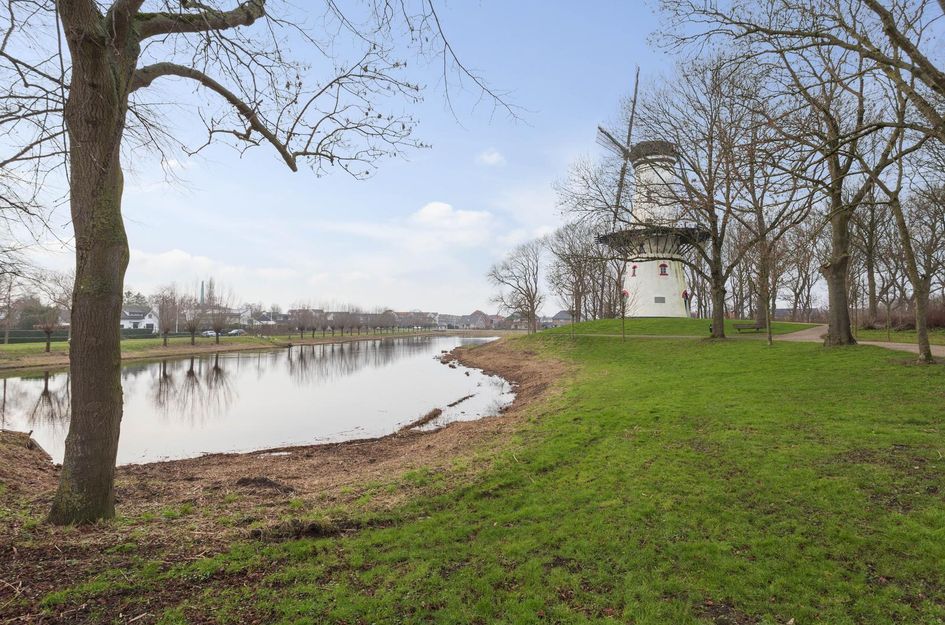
[38,336]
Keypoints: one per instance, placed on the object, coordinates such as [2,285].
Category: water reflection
[251,400]
[36,402]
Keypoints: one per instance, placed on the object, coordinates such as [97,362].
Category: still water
[244,401]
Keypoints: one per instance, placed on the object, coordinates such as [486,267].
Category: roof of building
[135,311]
[646,149]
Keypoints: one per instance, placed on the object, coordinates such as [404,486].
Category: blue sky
[422,232]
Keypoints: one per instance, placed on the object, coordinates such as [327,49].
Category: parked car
[208,333]
[236,332]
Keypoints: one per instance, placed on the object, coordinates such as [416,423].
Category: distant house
[515,321]
[135,317]
[479,320]
[561,318]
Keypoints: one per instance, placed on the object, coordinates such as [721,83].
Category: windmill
[656,242]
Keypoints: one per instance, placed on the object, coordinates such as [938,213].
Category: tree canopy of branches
[518,278]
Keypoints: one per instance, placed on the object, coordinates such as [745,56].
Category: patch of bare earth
[184,510]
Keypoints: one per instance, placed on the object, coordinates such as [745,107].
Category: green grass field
[666,326]
[675,481]
[936,337]
[17,350]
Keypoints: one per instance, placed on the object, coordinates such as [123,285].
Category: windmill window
[633,271]
[664,269]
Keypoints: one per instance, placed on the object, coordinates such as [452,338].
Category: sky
[423,231]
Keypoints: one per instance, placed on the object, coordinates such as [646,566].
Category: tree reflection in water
[174,397]
[204,391]
[50,410]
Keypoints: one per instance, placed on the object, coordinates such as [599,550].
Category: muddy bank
[180,510]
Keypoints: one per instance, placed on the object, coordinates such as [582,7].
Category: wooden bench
[753,327]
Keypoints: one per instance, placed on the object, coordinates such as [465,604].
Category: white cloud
[450,225]
[491,158]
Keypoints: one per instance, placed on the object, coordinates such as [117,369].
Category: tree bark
[95,118]
[835,272]
[86,483]
[921,283]
[718,310]
[921,290]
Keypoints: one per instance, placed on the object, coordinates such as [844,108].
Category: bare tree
[805,247]
[192,315]
[57,286]
[166,303]
[11,290]
[219,303]
[518,277]
[575,266]
[48,323]
[75,78]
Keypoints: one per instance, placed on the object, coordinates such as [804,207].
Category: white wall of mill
[648,286]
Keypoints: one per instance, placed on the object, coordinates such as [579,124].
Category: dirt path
[816,335]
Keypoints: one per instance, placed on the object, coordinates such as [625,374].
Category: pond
[246,401]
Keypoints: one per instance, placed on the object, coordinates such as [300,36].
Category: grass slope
[670,326]
[675,481]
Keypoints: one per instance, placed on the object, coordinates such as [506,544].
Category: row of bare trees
[810,154]
[856,88]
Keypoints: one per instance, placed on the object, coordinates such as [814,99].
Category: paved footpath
[816,335]
[810,335]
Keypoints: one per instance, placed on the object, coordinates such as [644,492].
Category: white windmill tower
[655,245]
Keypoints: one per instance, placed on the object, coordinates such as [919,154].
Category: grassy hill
[668,326]
[672,481]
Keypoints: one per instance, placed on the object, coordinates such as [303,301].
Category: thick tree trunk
[95,118]
[193,338]
[763,308]
[718,311]
[835,272]
[165,339]
[86,482]
[48,341]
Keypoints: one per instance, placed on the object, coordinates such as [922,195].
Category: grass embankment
[674,481]
[680,326]
[936,337]
[16,350]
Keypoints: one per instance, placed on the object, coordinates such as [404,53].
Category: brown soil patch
[182,510]
[723,614]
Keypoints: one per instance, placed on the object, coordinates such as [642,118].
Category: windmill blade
[610,143]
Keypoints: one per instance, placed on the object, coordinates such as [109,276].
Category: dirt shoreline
[60,360]
[177,511]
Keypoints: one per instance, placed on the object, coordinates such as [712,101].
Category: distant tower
[653,247]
